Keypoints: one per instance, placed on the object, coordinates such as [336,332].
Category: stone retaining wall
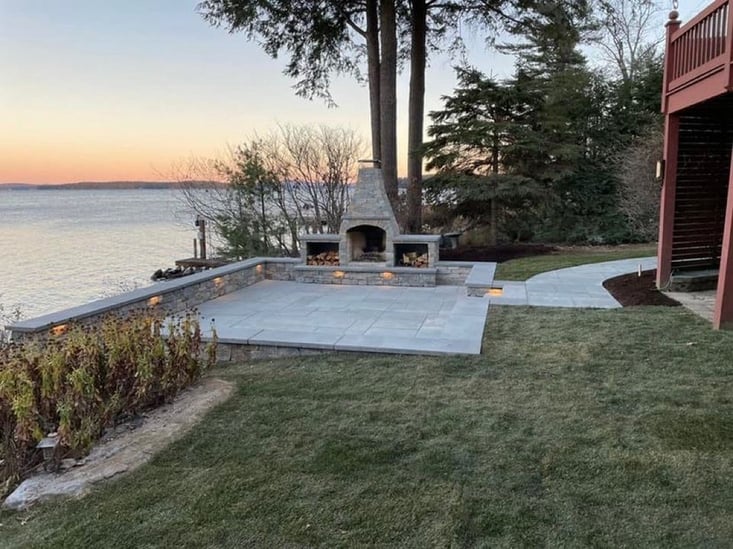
[176,296]
[453,273]
[366,275]
[169,297]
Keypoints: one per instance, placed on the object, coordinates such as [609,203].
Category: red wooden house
[696,217]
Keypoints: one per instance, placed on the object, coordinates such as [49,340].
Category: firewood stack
[414,259]
[324,258]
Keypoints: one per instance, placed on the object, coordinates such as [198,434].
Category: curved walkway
[580,286]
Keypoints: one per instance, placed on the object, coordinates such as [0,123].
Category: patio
[387,319]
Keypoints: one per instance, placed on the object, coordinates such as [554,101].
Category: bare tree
[639,188]
[628,34]
[272,188]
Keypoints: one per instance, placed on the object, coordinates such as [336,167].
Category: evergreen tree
[472,137]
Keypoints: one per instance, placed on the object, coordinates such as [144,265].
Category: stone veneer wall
[179,295]
[366,276]
[169,297]
[453,273]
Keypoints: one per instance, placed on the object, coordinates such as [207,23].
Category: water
[59,249]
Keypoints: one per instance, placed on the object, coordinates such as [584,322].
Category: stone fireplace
[369,226]
[370,248]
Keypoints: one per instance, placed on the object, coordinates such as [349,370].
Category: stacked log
[324,258]
[414,259]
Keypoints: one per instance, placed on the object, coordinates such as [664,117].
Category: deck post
[669,181]
[728,50]
[672,26]
[723,315]
[667,202]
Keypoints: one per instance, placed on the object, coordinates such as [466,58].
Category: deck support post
[669,175]
[667,202]
[723,315]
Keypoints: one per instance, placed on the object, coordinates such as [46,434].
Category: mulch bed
[632,289]
[499,253]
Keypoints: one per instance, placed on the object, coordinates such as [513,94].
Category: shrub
[88,379]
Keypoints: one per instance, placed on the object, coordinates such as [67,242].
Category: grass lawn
[576,428]
[523,268]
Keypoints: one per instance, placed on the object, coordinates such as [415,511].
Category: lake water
[61,248]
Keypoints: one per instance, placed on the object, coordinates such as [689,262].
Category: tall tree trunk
[493,206]
[416,108]
[372,43]
[388,96]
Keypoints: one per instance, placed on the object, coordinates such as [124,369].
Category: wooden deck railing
[699,47]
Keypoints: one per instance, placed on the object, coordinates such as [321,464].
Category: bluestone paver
[356,318]
[439,320]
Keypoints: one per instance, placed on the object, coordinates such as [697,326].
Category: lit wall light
[155,300]
[218,281]
[259,268]
[495,292]
[59,330]
[387,275]
[339,274]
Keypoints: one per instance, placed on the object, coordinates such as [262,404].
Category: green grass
[575,428]
[523,268]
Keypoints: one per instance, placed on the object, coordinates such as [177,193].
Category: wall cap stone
[416,238]
[318,237]
[108,304]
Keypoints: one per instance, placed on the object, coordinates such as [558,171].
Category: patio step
[480,279]
[694,281]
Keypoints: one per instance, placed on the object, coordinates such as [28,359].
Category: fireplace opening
[322,253]
[411,255]
[367,243]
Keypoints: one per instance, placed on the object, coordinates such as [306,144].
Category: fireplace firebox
[368,243]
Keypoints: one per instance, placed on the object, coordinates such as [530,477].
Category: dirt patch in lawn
[632,289]
[499,253]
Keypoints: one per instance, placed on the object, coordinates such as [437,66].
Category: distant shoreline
[105,185]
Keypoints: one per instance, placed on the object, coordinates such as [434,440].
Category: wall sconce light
[59,330]
[387,275]
[155,300]
[339,274]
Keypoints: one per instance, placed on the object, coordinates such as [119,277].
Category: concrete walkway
[580,286]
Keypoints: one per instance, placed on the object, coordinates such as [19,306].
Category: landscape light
[495,292]
[338,274]
[48,446]
[387,275]
[155,300]
[59,330]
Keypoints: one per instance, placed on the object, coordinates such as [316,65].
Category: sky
[127,89]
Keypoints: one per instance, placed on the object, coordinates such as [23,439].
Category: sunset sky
[125,89]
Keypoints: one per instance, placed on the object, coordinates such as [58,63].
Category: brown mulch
[632,289]
[499,253]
